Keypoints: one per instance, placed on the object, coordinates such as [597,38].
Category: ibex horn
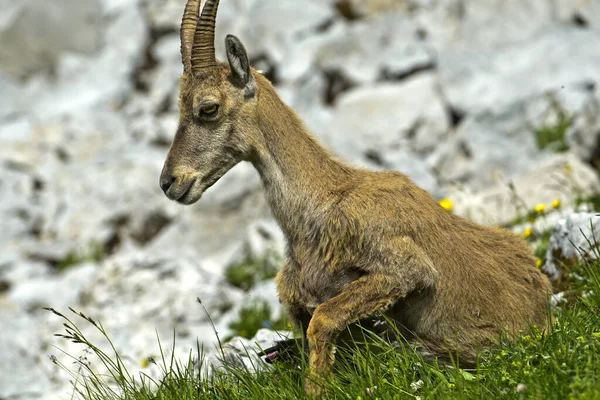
[188,28]
[203,51]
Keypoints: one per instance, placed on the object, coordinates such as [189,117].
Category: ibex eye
[209,110]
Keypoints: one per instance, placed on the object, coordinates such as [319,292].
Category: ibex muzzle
[217,102]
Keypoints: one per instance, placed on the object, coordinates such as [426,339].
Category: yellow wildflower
[555,203]
[528,232]
[447,204]
[145,363]
[540,208]
[538,262]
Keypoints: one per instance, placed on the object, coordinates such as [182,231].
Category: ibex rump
[359,242]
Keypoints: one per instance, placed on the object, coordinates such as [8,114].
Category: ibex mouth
[181,192]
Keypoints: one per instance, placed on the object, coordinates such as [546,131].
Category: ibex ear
[240,65]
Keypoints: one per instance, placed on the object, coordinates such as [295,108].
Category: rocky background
[457,94]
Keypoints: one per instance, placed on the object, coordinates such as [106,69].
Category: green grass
[95,252]
[563,363]
[250,271]
[253,317]
[552,136]
[592,201]
[543,243]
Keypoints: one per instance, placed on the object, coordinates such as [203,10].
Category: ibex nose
[166,182]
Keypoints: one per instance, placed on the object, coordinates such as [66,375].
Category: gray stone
[306,97]
[574,238]
[386,115]
[586,12]
[235,201]
[35,32]
[165,15]
[495,145]
[15,271]
[160,292]
[267,28]
[274,25]
[16,129]
[265,238]
[474,81]
[59,292]
[365,8]
[102,79]
[21,376]
[121,189]
[385,47]
[267,292]
[481,25]
[8,97]
[384,122]
[115,6]
[560,176]
[16,192]
[488,147]
[583,136]
[242,353]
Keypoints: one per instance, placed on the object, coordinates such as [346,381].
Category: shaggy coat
[358,242]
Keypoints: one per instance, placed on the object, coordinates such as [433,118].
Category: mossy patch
[249,272]
[552,136]
[254,316]
[592,201]
[94,252]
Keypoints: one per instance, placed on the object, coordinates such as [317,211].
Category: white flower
[558,298]
[416,385]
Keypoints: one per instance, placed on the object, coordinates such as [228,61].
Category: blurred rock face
[463,96]
[35,33]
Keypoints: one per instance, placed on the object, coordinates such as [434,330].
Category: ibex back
[359,242]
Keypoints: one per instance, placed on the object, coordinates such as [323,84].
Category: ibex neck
[297,172]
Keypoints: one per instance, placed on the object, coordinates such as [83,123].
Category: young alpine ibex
[359,242]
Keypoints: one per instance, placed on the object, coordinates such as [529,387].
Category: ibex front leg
[383,285]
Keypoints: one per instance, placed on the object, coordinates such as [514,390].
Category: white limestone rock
[388,123]
[59,292]
[574,238]
[474,81]
[560,176]
[242,353]
[21,374]
[583,136]
[34,33]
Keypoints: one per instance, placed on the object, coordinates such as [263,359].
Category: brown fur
[359,241]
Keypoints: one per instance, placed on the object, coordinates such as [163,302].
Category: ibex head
[217,109]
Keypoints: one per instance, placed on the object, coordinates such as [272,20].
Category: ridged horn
[188,29]
[203,51]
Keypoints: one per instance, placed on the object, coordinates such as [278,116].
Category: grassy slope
[561,364]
